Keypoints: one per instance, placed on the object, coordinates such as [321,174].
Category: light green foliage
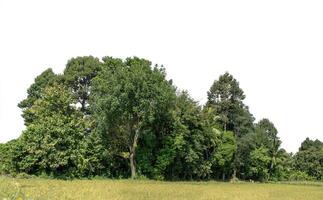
[3,158]
[34,92]
[53,143]
[259,161]
[225,154]
[6,157]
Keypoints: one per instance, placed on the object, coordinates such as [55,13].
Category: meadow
[37,188]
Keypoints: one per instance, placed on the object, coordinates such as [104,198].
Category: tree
[226,97]
[264,141]
[127,95]
[309,158]
[53,142]
[259,164]
[47,78]
[267,133]
[225,153]
[6,166]
[188,151]
[78,75]
[283,166]
[119,117]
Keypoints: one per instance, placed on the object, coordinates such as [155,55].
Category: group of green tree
[122,118]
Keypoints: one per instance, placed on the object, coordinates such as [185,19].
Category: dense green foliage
[122,118]
[54,142]
[78,76]
[129,98]
[309,158]
[34,92]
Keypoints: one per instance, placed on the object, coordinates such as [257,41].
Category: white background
[274,48]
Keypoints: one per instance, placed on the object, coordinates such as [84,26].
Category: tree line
[121,118]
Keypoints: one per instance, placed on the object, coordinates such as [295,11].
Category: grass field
[128,189]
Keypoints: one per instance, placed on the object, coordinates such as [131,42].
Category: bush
[300,176]
[24,176]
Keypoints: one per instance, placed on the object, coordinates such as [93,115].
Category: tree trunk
[271,169]
[234,174]
[223,176]
[83,105]
[133,154]
[132,166]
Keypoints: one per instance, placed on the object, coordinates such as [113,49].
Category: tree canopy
[121,118]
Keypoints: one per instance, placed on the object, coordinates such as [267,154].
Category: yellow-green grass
[128,189]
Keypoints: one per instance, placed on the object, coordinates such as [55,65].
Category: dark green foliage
[226,97]
[127,97]
[189,151]
[266,131]
[261,152]
[78,75]
[284,166]
[120,118]
[309,158]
